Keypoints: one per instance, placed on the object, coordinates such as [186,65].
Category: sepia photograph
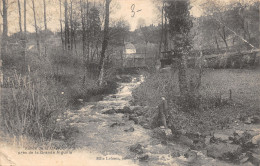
[129,83]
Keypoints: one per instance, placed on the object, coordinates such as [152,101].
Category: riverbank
[116,129]
[222,127]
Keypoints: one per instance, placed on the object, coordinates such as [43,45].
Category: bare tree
[61,30]
[24,38]
[66,25]
[36,28]
[104,43]
[83,20]
[160,45]
[71,25]
[25,30]
[4,38]
[45,25]
[5,30]
[87,27]
[20,16]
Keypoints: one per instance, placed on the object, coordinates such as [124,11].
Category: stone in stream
[134,118]
[221,136]
[252,158]
[131,129]
[145,125]
[117,124]
[175,154]
[224,151]
[159,133]
[252,120]
[143,157]
[191,156]
[185,140]
[137,148]
[125,110]
[207,140]
[256,140]
[111,111]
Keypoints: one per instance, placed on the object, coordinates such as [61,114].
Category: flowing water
[112,143]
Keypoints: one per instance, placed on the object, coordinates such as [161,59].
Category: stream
[112,143]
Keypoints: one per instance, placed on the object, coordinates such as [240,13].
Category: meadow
[224,96]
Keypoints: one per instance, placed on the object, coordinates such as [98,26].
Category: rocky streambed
[112,129]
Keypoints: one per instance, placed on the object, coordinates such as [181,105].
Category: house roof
[129,46]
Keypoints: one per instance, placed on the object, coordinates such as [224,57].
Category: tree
[162,29]
[83,23]
[180,24]
[36,28]
[25,24]
[5,30]
[4,38]
[45,25]
[61,30]
[20,16]
[104,43]
[71,25]
[66,35]
[231,24]
[94,31]
[24,37]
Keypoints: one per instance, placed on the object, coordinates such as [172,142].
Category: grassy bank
[38,90]
[216,110]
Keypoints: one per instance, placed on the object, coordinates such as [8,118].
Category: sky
[146,11]
[134,11]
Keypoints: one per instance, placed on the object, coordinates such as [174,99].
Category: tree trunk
[160,45]
[165,34]
[223,36]
[36,29]
[183,84]
[66,25]
[216,40]
[5,30]
[24,38]
[25,30]
[61,30]
[83,28]
[4,38]
[104,44]
[71,26]
[145,51]
[45,27]
[87,28]
[20,16]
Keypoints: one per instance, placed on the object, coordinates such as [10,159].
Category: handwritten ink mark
[133,10]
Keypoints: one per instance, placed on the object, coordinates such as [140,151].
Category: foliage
[180,24]
[94,24]
[232,24]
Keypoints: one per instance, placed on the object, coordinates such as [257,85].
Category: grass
[215,109]
[37,91]
[30,108]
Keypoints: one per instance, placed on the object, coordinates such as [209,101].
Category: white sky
[120,9]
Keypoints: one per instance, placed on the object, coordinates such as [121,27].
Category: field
[216,109]
[244,84]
